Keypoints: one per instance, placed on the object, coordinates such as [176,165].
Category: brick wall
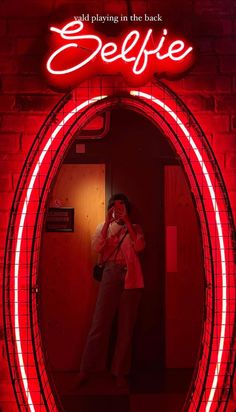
[209,90]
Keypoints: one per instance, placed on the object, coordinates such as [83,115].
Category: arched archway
[161,106]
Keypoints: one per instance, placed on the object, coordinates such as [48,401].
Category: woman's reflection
[118,242]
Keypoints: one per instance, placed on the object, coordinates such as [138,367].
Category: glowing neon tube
[206,175]
[19,242]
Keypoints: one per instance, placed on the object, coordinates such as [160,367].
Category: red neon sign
[77,53]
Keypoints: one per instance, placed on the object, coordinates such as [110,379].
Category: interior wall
[208,89]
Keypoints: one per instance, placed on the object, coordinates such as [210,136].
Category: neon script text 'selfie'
[136,55]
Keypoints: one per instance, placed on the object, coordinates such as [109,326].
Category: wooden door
[184,285]
[67,289]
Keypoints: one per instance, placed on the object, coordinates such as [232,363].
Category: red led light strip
[17,323]
[213,198]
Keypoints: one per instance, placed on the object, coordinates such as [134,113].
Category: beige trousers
[112,299]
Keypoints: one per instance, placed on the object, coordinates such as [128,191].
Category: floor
[148,392]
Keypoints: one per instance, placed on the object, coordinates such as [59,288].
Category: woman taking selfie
[117,241]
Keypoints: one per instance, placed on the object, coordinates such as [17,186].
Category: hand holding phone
[119,210]
[110,215]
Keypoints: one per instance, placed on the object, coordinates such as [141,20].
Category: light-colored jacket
[134,276]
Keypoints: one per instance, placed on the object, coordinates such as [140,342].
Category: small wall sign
[60,219]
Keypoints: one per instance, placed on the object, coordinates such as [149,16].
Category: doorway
[133,158]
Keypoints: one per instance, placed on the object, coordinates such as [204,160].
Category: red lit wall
[209,91]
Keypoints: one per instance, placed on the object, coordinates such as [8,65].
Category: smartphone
[118,211]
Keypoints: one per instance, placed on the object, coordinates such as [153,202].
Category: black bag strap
[116,248]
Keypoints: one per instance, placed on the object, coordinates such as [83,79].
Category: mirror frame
[212,378]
